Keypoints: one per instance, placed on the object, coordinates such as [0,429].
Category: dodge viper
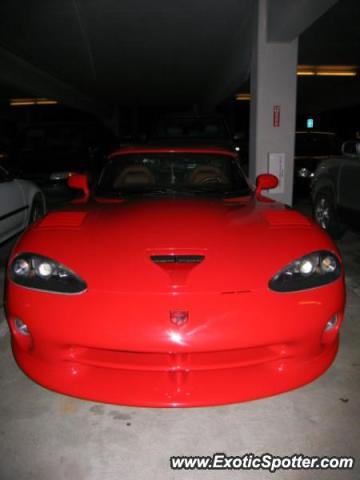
[174,282]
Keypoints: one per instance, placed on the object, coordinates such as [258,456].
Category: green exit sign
[310,123]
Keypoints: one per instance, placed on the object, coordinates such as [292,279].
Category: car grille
[162,362]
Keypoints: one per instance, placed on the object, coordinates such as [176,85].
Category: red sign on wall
[276,116]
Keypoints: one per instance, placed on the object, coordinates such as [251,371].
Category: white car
[21,203]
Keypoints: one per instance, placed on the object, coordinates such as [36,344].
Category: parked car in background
[4,153]
[7,133]
[21,203]
[336,191]
[48,153]
[311,148]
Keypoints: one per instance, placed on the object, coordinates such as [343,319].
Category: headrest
[135,175]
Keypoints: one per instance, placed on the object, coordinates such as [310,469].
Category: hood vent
[177,258]
[63,220]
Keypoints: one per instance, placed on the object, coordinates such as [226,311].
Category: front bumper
[123,349]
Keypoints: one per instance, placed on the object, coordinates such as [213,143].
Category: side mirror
[80,182]
[266,181]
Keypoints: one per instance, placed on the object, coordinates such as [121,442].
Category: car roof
[156,149]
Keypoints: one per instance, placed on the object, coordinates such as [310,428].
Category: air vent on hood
[62,219]
[286,218]
[177,258]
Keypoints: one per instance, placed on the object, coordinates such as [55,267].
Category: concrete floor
[47,436]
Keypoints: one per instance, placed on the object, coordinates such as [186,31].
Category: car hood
[242,243]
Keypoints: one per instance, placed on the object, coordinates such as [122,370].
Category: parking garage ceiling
[129,51]
[93,54]
[334,39]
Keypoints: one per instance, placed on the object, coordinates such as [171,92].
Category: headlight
[303,172]
[41,273]
[310,271]
[57,176]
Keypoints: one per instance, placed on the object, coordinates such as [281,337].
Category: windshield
[172,174]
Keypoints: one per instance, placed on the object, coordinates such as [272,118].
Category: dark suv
[335,191]
[311,148]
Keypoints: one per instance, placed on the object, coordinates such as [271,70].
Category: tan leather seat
[134,175]
[207,174]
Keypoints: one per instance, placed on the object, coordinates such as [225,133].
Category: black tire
[37,210]
[325,215]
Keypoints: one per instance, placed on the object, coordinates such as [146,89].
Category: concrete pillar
[273,107]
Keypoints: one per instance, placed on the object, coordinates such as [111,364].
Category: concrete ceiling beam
[287,19]
[236,69]
[27,77]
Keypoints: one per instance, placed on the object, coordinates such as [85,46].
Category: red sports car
[175,283]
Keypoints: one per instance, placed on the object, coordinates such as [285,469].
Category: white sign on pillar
[276,166]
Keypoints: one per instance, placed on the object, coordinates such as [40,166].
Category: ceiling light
[327,70]
[307,73]
[18,102]
[45,101]
[21,101]
[242,97]
[326,73]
